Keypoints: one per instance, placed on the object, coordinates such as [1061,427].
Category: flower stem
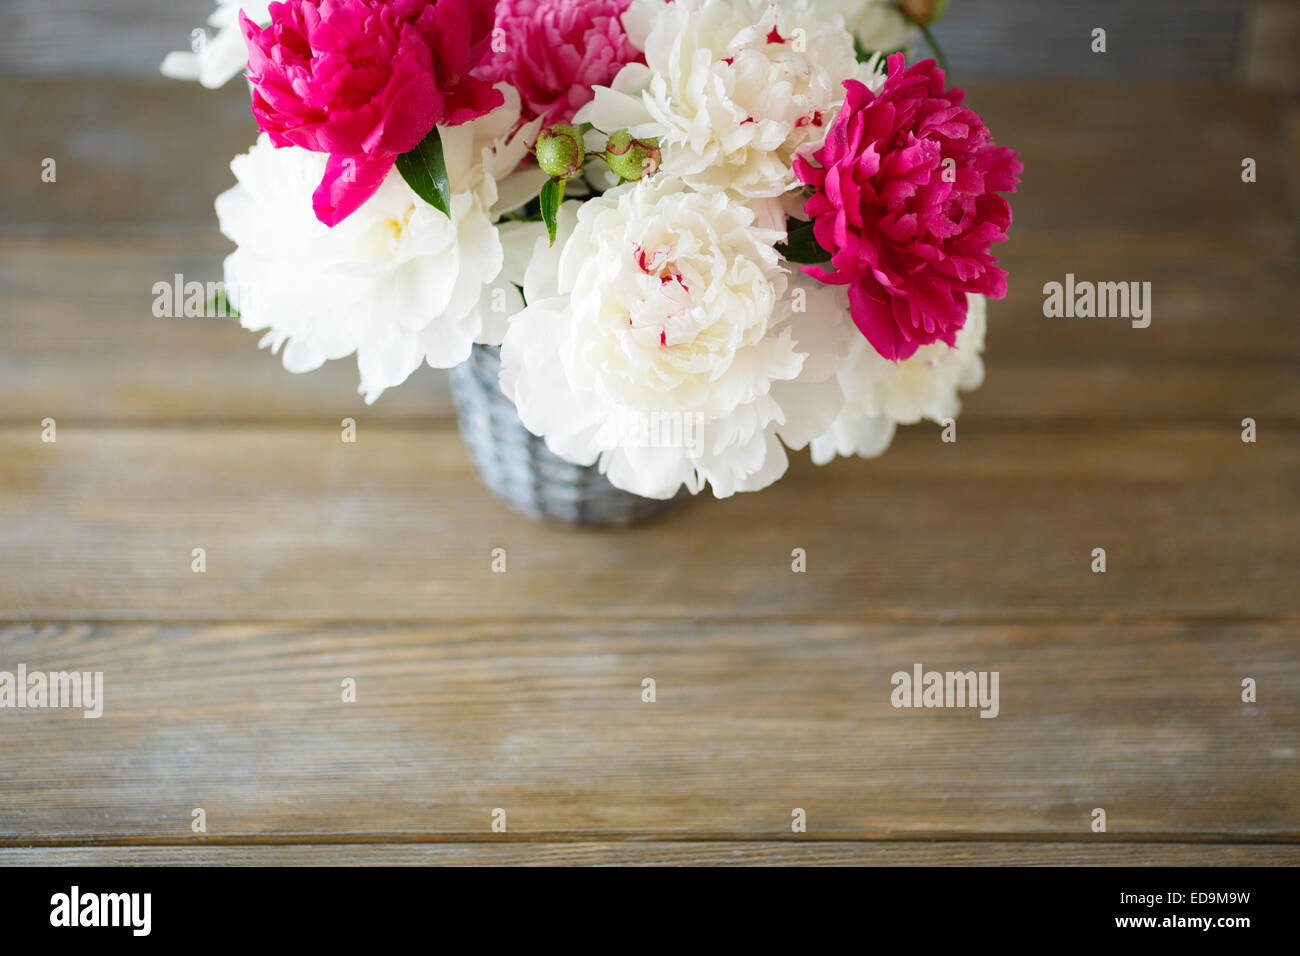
[934,48]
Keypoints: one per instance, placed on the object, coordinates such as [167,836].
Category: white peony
[397,282]
[215,61]
[664,340]
[879,25]
[732,88]
[880,394]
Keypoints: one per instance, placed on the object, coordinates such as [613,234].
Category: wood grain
[1149,197]
[752,719]
[127,37]
[84,346]
[139,157]
[134,157]
[667,853]
[1270,34]
[1195,39]
[522,690]
[1188,38]
[298,525]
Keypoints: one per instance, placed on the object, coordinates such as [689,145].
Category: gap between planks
[446,422]
[704,619]
[641,836]
[665,853]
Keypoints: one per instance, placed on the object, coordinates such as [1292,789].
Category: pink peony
[909,231]
[554,51]
[365,81]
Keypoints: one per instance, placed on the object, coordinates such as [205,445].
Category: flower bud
[560,152]
[923,12]
[630,158]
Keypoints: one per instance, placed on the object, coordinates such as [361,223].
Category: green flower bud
[923,12]
[630,158]
[560,152]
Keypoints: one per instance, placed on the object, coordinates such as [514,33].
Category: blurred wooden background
[1164,38]
[522,691]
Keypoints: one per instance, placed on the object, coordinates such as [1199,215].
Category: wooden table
[523,691]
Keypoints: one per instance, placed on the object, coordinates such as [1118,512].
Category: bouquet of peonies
[700,231]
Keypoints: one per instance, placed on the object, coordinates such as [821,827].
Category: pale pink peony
[909,231]
[365,81]
[555,51]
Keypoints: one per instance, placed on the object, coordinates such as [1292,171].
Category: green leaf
[219,306]
[801,246]
[425,171]
[552,196]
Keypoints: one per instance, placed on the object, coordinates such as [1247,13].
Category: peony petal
[349,181]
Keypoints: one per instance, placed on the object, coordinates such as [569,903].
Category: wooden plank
[1292,124]
[1187,38]
[1136,202]
[80,36]
[1195,39]
[83,345]
[129,157]
[1100,160]
[1105,161]
[668,853]
[1271,33]
[298,525]
[751,720]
